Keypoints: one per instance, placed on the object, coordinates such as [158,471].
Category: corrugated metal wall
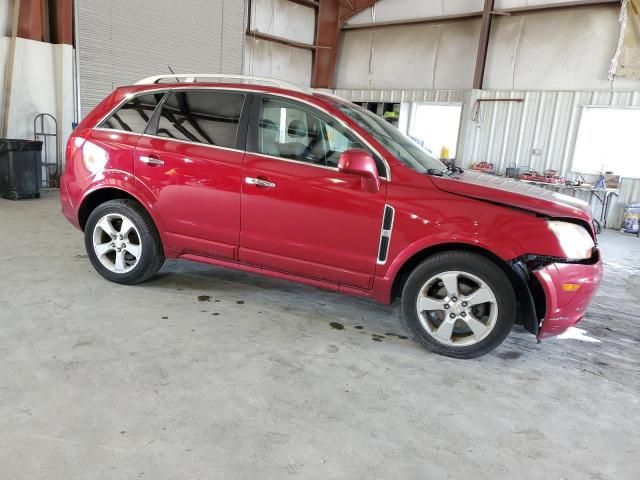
[507,133]
[122,41]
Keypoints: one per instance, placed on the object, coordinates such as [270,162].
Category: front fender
[441,243]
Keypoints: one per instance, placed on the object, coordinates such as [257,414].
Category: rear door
[114,140]
[190,158]
[299,213]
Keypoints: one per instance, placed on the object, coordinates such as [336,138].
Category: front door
[191,161]
[299,214]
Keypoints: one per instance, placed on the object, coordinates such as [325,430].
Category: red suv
[304,186]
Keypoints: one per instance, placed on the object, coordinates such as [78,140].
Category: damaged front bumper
[568,289]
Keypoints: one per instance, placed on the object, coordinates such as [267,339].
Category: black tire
[152,253]
[470,263]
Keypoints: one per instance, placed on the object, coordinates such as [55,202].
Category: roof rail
[328,93]
[193,77]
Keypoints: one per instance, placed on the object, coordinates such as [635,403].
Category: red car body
[320,226]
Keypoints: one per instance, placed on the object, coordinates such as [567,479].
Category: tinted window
[211,118]
[134,115]
[296,132]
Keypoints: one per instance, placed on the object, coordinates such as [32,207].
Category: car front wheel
[459,304]
[122,242]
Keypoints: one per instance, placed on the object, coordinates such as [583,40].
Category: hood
[507,191]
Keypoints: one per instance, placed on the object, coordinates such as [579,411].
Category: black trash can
[20,168]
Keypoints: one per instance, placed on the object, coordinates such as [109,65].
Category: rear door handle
[151,160]
[259,182]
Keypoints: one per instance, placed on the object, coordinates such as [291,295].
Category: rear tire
[459,304]
[122,242]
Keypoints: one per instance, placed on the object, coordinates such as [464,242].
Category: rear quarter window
[134,115]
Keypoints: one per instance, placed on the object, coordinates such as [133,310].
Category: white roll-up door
[121,41]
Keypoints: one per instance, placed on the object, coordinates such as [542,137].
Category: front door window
[292,131]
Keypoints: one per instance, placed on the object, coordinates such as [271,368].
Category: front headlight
[574,240]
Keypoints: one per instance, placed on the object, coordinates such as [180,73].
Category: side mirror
[358,162]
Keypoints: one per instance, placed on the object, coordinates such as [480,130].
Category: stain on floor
[510,355]
[401,337]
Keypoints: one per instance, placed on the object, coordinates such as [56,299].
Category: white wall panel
[392,10]
[284,19]
[121,41]
[504,4]
[42,82]
[396,10]
[561,50]
[269,59]
[412,57]
[287,20]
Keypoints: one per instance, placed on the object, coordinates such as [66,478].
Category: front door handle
[259,182]
[151,160]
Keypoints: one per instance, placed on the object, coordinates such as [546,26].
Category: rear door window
[207,117]
[134,115]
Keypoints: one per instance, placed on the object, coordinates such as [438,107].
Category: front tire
[459,304]
[122,242]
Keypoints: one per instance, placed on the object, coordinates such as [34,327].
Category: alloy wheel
[457,308]
[116,242]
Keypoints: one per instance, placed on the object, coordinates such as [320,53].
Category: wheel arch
[102,194]
[525,304]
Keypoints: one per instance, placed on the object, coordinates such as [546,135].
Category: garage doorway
[437,127]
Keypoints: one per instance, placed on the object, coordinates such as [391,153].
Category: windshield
[402,147]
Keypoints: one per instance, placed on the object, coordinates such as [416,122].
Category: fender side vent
[385,234]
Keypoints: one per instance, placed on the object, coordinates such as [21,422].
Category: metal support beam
[483,44]
[282,41]
[307,3]
[331,16]
[61,21]
[348,8]
[327,35]
[31,20]
[414,21]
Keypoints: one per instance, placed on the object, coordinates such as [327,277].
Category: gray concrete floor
[205,373]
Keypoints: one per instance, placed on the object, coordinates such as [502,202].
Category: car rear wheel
[459,304]
[122,242]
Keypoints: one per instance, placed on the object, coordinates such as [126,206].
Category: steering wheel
[306,153]
[326,157]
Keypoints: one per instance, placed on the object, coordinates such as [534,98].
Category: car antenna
[173,73]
